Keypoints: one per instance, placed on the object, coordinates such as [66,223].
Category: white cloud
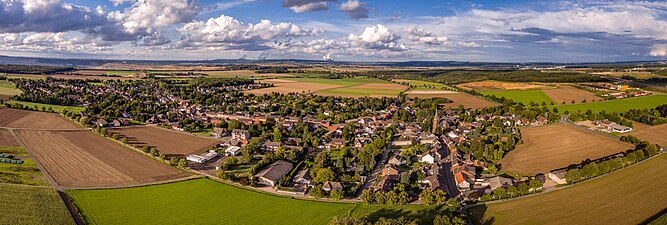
[226,30]
[659,50]
[377,37]
[51,42]
[145,16]
[422,36]
[301,6]
[355,9]
[46,16]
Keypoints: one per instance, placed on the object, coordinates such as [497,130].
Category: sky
[342,30]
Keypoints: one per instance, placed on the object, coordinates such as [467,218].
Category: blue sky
[353,30]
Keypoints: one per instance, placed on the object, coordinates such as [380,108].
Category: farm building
[233,151]
[498,181]
[274,172]
[203,158]
[558,176]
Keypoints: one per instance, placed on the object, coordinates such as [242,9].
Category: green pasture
[20,204]
[618,105]
[523,96]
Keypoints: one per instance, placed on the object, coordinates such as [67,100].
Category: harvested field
[5,97]
[243,74]
[91,77]
[84,159]
[654,134]
[496,85]
[467,100]
[368,89]
[288,86]
[628,196]
[169,142]
[552,147]
[6,138]
[382,86]
[15,118]
[568,93]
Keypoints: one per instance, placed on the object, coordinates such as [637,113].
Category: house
[330,186]
[101,123]
[116,123]
[498,181]
[386,183]
[337,143]
[239,134]
[539,121]
[271,146]
[217,132]
[389,170]
[401,142]
[521,121]
[397,160]
[302,177]
[619,128]
[211,154]
[271,174]
[233,151]
[462,181]
[558,176]
[427,158]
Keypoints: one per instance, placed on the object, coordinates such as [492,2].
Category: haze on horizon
[349,30]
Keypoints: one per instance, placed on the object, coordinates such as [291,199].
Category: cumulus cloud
[301,6]
[659,50]
[228,32]
[51,42]
[426,37]
[355,9]
[145,16]
[377,37]
[18,16]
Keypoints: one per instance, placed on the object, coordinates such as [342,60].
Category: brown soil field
[84,159]
[289,87]
[15,118]
[91,72]
[383,86]
[566,93]
[5,97]
[430,92]
[496,85]
[168,142]
[244,73]
[654,134]
[552,147]
[467,100]
[628,196]
[6,138]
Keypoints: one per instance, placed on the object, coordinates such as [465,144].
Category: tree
[512,191]
[124,140]
[146,149]
[182,163]
[485,198]
[535,184]
[154,152]
[573,176]
[368,196]
[104,132]
[173,161]
[336,194]
[324,175]
[523,188]
[277,135]
[499,193]
[317,192]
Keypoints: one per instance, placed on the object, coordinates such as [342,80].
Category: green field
[204,201]
[122,73]
[424,85]
[343,82]
[619,105]
[523,96]
[359,91]
[21,204]
[7,88]
[57,108]
[628,196]
[26,173]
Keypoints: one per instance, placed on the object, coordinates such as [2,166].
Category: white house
[233,151]
[203,158]
[558,176]
[428,158]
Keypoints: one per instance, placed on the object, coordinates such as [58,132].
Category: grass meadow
[523,96]
[203,201]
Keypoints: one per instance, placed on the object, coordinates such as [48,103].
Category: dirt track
[84,159]
[556,146]
[14,118]
[166,141]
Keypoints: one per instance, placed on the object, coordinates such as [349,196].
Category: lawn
[204,201]
[523,96]
[628,196]
[27,173]
[619,105]
[56,108]
[21,204]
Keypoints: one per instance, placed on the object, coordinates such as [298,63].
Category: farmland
[32,205]
[8,89]
[620,105]
[653,134]
[422,85]
[467,100]
[497,85]
[523,96]
[168,142]
[27,173]
[84,159]
[15,118]
[555,146]
[6,138]
[567,94]
[289,86]
[204,201]
[345,87]
[628,196]
[56,108]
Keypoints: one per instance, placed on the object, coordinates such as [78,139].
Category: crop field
[123,73]
[15,118]
[91,77]
[249,74]
[6,138]
[203,201]
[497,85]
[168,142]
[84,159]
[290,86]
[346,87]
[654,134]
[628,196]
[552,147]
[422,85]
[32,205]
[566,93]
[523,96]
[27,173]
[56,108]
[8,89]
[467,100]
[619,105]
[367,89]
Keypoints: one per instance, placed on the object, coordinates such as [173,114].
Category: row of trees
[594,169]
[524,188]
[388,198]
[654,116]
[437,220]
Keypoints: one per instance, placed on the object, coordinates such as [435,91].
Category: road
[378,168]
